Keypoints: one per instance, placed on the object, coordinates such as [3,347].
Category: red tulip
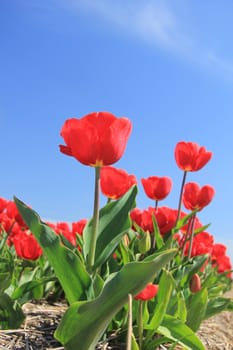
[165,216]
[218,250]
[3,204]
[97,139]
[157,188]
[14,214]
[166,219]
[78,227]
[149,292]
[196,197]
[26,246]
[114,183]
[190,156]
[202,244]
[143,219]
[223,264]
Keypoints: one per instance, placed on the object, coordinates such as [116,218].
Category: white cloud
[156,23]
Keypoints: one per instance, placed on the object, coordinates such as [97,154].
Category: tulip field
[144,278]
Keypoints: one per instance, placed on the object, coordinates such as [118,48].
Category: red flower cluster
[165,217]
[97,139]
[70,232]
[203,243]
[11,222]
[21,238]
[149,292]
[9,216]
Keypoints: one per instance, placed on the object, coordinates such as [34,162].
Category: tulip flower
[218,250]
[190,156]
[223,264]
[14,214]
[157,188]
[26,246]
[202,244]
[149,292]
[114,183]
[78,227]
[166,219]
[196,197]
[97,139]
[3,204]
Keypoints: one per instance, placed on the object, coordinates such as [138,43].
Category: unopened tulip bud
[195,283]
[144,244]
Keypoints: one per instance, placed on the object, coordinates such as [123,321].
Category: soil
[42,319]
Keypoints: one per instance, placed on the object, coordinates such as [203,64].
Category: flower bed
[145,278]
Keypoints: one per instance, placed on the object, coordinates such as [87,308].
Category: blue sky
[166,65]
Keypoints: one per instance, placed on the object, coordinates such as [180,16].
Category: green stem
[130,321]
[140,324]
[186,237]
[191,236]
[91,255]
[181,194]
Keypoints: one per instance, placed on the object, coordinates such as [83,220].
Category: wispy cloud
[157,23]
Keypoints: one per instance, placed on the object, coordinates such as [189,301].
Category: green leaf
[31,290]
[218,305]
[6,271]
[113,223]
[196,308]
[157,235]
[68,267]
[181,311]
[11,314]
[186,271]
[166,285]
[177,331]
[5,281]
[85,322]
[134,343]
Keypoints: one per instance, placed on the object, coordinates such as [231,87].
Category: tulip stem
[191,237]
[91,255]
[130,321]
[140,324]
[181,194]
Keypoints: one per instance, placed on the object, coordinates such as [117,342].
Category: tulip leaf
[5,280]
[186,271]
[196,309]
[166,286]
[181,309]
[84,322]
[68,267]
[157,235]
[177,331]
[11,314]
[218,305]
[113,223]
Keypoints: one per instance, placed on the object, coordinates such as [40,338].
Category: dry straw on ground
[42,319]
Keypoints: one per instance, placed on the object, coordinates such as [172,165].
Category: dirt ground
[41,321]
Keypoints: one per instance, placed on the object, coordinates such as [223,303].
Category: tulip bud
[195,283]
[144,244]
